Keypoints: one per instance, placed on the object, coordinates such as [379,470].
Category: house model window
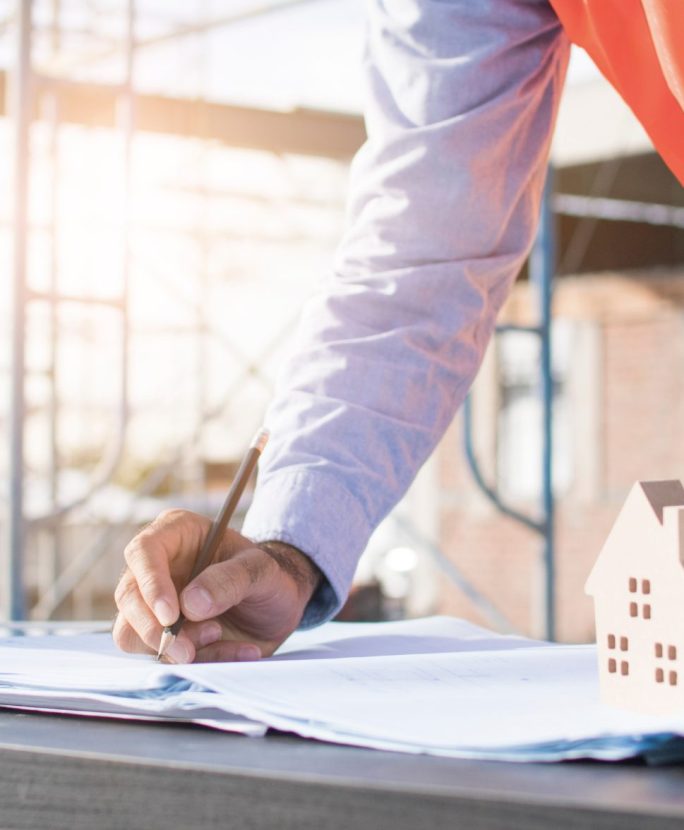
[637,585]
[623,644]
[642,586]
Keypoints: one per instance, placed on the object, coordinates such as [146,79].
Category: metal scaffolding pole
[541,272]
[542,263]
[13,599]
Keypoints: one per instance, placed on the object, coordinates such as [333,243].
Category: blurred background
[173,186]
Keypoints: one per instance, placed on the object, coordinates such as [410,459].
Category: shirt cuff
[314,513]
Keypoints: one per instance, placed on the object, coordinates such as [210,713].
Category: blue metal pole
[541,271]
[542,264]
[490,491]
[21,110]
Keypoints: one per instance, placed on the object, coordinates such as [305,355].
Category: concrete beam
[299,131]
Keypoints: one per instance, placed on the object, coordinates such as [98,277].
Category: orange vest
[639,46]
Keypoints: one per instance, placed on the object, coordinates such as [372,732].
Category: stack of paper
[439,686]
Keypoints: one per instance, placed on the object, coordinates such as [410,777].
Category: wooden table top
[72,772]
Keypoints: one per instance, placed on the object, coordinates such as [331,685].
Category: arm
[444,201]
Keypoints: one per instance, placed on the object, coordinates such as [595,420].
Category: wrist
[294,562]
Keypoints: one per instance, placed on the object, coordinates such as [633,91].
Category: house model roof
[642,530]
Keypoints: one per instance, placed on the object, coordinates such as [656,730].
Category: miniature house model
[638,588]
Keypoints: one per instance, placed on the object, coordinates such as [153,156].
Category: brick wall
[627,407]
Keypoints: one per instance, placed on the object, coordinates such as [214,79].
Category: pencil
[218,527]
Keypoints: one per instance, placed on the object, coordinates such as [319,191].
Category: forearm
[445,197]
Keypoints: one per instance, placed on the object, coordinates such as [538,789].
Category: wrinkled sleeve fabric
[444,200]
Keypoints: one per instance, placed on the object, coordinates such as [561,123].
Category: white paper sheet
[86,674]
[437,685]
[476,701]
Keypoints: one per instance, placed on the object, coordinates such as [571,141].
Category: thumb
[226,584]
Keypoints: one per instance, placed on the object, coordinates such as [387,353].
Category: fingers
[227,584]
[192,637]
[203,644]
[138,631]
[228,651]
[172,539]
[183,650]
[127,639]
[135,612]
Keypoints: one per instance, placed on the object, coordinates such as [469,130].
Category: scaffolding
[60,97]
[35,97]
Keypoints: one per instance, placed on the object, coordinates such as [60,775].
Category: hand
[241,607]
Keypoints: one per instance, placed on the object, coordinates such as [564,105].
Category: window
[611,641]
[612,666]
[624,668]
[624,644]
[661,651]
[633,587]
[519,422]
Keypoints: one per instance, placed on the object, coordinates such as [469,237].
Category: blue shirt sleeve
[445,195]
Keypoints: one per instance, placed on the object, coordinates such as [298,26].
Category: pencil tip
[167,638]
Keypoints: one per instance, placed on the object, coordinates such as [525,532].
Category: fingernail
[209,634]
[178,652]
[163,612]
[198,602]
[248,653]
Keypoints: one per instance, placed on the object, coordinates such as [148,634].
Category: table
[70,772]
